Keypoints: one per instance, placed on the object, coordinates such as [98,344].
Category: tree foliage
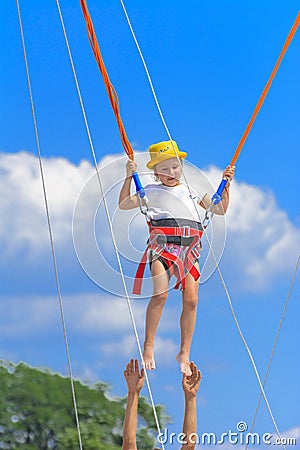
[36,412]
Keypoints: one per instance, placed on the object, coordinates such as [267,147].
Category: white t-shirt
[166,202]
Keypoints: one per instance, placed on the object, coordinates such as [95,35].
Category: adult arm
[190,385]
[135,380]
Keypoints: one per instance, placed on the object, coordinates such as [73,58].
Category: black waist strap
[177,223]
[178,240]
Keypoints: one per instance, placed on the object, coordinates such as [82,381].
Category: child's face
[168,171]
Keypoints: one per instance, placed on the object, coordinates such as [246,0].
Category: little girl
[174,244]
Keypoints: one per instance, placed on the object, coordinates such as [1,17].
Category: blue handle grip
[218,194]
[139,188]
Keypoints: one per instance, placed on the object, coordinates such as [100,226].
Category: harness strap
[137,285]
[190,258]
[190,266]
[170,260]
[175,231]
[179,274]
[174,263]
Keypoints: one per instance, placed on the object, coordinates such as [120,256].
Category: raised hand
[191,383]
[131,167]
[229,172]
[134,376]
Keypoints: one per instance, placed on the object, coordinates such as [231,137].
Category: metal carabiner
[143,207]
[209,214]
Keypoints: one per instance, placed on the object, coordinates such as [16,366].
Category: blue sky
[209,62]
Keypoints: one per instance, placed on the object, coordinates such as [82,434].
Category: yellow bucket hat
[164,150]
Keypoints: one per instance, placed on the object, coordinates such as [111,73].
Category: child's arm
[135,380]
[127,201]
[222,206]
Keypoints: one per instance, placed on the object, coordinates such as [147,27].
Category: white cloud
[126,347]
[21,316]
[101,315]
[292,433]
[85,374]
[84,313]
[290,438]
[165,351]
[262,245]
[23,221]
[106,314]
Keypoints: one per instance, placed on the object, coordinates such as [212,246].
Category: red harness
[176,267]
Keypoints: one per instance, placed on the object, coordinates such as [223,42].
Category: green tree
[36,412]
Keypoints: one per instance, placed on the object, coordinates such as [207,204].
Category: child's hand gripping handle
[138,185]
[216,198]
[227,177]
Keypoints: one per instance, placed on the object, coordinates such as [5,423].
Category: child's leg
[187,322]
[154,310]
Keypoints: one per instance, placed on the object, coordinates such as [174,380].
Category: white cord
[50,228]
[108,216]
[275,342]
[205,233]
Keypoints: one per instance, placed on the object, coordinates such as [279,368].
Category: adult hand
[134,377]
[191,383]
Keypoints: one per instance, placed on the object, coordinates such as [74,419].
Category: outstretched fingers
[134,376]
[196,374]
[191,383]
[136,366]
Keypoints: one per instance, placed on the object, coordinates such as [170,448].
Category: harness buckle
[187,231]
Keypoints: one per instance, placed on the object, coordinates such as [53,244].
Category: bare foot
[148,358]
[184,363]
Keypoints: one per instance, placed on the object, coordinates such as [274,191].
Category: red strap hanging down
[112,94]
[265,91]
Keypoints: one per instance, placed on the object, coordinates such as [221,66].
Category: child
[171,209]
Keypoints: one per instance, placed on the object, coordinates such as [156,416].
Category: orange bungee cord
[112,94]
[218,195]
[265,91]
